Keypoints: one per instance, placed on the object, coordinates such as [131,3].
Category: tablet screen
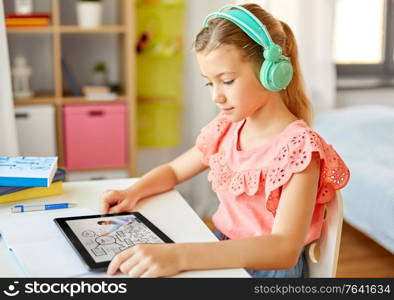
[104,237]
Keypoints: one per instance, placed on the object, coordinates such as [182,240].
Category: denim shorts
[300,270]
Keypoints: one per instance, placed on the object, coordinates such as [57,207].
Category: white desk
[168,211]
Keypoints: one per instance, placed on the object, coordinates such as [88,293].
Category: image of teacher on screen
[116,223]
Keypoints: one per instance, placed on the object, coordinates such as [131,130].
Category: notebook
[60,175]
[28,171]
[56,188]
[38,245]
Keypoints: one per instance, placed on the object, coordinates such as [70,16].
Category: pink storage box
[95,136]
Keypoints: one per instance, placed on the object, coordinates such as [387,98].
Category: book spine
[27,21]
[24,181]
[15,16]
[8,24]
[56,188]
[60,175]
[25,25]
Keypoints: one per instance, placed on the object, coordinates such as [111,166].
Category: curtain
[8,137]
[312,22]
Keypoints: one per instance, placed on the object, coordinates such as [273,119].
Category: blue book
[60,175]
[70,79]
[29,171]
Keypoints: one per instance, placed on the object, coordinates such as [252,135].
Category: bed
[364,137]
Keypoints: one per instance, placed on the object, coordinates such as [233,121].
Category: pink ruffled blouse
[249,183]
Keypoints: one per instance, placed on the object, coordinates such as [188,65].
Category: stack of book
[98,93]
[23,178]
[30,20]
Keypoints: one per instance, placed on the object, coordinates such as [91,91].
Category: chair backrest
[322,255]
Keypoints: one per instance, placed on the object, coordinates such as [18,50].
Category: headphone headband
[244,19]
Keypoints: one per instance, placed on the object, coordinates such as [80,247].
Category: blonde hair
[220,32]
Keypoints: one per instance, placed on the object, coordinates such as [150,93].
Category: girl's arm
[156,181]
[278,250]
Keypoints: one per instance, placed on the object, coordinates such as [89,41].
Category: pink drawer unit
[95,136]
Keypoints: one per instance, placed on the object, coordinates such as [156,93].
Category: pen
[35,207]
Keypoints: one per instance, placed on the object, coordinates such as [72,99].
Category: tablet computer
[98,238]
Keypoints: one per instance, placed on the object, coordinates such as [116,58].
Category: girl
[270,171]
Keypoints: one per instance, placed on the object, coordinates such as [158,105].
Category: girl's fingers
[129,264]
[106,201]
[138,269]
[149,273]
[120,207]
[104,207]
[118,260]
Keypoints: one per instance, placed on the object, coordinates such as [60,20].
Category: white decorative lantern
[21,75]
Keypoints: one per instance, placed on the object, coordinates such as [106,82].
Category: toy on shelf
[21,76]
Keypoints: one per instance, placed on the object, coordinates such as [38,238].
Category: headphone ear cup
[276,76]
[264,71]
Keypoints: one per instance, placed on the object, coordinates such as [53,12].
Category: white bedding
[364,137]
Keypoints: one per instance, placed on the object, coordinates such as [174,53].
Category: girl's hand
[117,201]
[147,260]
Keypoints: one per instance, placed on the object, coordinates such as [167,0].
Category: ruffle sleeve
[210,136]
[293,156]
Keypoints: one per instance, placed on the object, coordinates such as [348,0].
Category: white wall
[362,97]
[8,141]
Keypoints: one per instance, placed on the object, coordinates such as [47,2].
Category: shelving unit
[58,32]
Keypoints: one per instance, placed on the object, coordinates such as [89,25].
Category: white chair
[322,255]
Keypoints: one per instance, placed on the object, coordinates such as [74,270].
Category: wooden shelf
[127,76]
[98,30]
[94,169]
[36,100]
[82,100]
[49,29]
[69,29]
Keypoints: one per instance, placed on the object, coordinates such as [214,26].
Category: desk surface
[168,211]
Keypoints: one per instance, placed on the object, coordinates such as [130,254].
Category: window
[364,40]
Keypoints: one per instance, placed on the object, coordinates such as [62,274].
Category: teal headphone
[276,71]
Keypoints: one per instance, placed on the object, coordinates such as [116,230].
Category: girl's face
[233,82]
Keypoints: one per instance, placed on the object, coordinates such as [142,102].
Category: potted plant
[100,73]
[89,13]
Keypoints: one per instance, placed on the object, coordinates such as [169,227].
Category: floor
[359,256]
